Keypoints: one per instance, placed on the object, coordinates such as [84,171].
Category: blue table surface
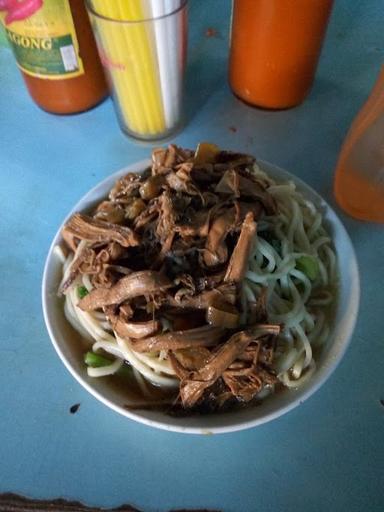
[327,454]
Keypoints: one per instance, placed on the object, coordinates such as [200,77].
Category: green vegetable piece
[82,292]
[309,266]
[96,360]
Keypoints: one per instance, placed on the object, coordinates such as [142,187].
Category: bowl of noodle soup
[317,327]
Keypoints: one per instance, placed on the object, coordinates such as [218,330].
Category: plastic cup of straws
[142,44]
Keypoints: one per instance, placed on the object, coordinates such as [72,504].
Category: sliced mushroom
[239,259]
[216,250]
[85,228]
[109,211]
[192,389]
[223,314]
[146,282]
[205,336]
[135,330]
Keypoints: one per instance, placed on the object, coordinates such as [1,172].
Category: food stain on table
[74,408]
[212,32]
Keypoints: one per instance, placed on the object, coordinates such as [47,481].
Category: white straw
[167,36]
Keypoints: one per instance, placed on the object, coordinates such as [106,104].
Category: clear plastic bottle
[359,176]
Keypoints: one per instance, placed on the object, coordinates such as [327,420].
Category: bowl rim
[169,424]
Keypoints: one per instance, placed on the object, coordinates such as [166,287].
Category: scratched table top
[328,454]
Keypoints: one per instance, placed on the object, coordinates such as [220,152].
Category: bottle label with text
[43,38]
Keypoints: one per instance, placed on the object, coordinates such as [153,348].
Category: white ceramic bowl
[70,350]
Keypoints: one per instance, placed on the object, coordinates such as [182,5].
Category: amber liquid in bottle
[359,177]
[80,93]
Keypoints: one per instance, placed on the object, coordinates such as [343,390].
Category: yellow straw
[133,120]
[111,40]
[139,97]
[149,76]
[137,86]
[144,63]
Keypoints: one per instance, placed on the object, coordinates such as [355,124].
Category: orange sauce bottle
[55,49]
[275,46]
[359,177]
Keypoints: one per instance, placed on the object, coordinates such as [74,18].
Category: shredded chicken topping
[170,247]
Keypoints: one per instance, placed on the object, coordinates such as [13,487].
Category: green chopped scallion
[82,292]
[309,266]
[96,360]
